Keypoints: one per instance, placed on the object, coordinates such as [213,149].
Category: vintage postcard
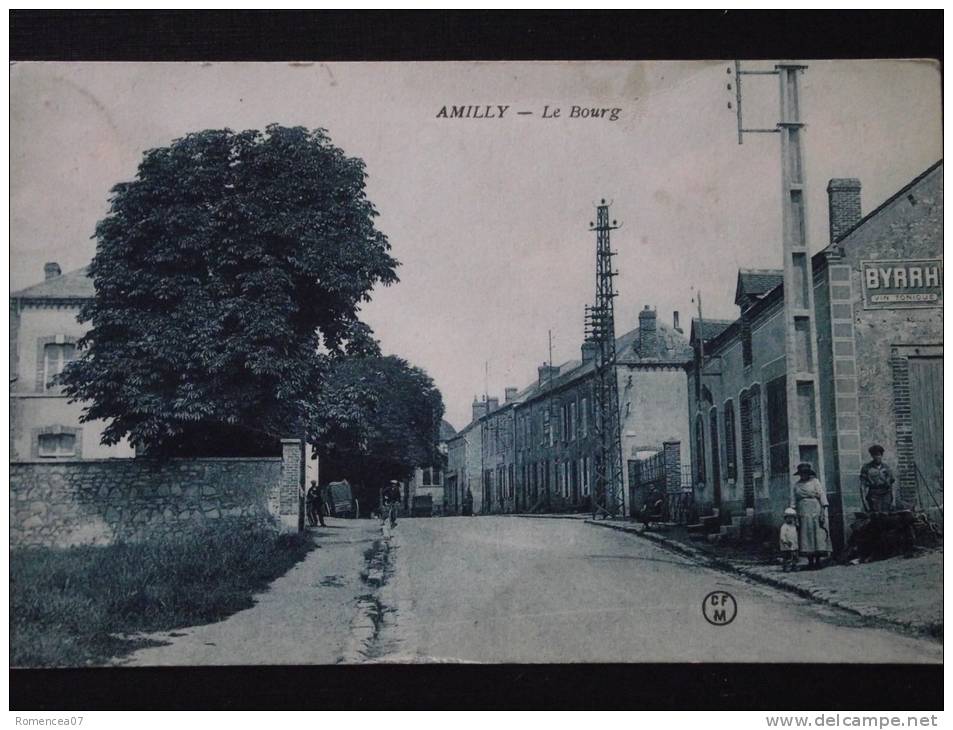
[522,362]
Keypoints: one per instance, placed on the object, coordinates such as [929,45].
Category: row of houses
[536,450]
[714,403]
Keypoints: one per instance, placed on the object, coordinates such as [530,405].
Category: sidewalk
[306,616]
[903,592]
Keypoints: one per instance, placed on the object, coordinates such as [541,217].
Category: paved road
[536,590]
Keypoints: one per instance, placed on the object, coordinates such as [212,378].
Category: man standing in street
[877,480]
[315,505]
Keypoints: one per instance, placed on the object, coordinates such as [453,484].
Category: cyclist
[390,498]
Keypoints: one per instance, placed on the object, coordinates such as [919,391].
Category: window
[778,426]
[715,450]
[699,449]
[425,479]
[585,476]
[584,407]
[55,357]
[53,445]
[746,352]
[572,421]
[731,459]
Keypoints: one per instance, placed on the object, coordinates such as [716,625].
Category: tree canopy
[228,277]
[378,419]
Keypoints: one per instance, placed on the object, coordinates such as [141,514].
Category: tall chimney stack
[675,324]
[648,341]
[51,270]
[492,404]
[843,197]
[509,394]
[547,372]
[589,350]
[479,409]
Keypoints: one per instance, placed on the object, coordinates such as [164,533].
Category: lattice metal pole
[608,497]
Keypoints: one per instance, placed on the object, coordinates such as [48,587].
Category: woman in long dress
[809,498]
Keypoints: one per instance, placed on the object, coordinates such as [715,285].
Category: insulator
[729,105]
[728,70]
[729,87]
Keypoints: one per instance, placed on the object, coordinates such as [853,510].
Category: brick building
[44,331]
[878,298]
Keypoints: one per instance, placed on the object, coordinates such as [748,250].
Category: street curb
[871,613]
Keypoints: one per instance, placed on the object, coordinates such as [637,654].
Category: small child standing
[788,541]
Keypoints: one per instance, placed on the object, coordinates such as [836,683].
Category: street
[510,589]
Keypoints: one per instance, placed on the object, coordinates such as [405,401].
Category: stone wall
[65,503]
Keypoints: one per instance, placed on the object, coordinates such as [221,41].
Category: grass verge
[77,606]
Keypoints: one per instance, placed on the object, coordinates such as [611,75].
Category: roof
[888,201]
[671,347]
[709,328]
[71,285]
[755,283]
[447,431]
[819,259]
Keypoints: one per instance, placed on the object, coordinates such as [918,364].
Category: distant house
[44,331]
[429,480]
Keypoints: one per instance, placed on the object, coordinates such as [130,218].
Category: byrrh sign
[901,284]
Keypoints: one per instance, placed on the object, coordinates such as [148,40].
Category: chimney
[675,325]
[843,197]
[51,270]
[509,394]
[648,342]
[547,372]
[479,409]
[492,404]
[589,350]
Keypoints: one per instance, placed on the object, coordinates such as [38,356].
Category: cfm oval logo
[719,608]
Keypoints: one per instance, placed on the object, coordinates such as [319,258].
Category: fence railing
[665,473]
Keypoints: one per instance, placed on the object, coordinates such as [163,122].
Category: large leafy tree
[229,276]
[377,419]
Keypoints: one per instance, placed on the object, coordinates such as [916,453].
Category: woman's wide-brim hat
[790,512]
[805,467]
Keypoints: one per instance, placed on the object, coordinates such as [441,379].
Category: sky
[489,217]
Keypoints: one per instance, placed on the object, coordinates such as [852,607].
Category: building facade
[464,471]
[554,418]
[878,308]
[430,480]
[44,331]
